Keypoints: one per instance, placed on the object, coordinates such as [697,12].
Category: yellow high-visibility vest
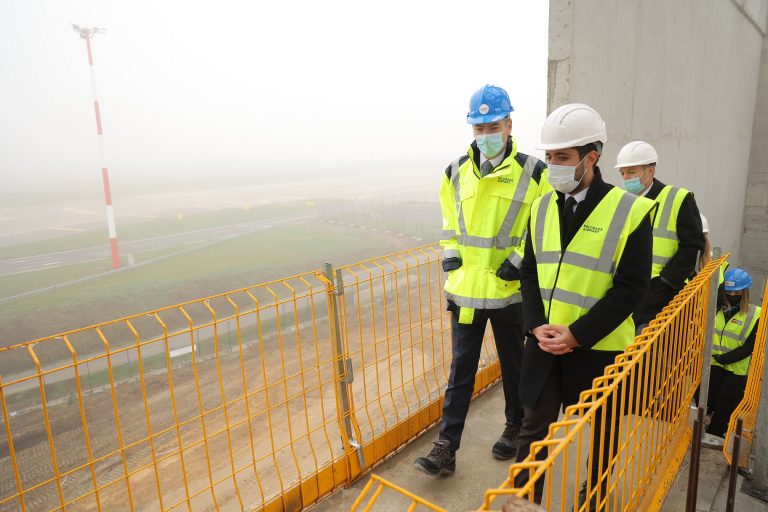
[571,282]
[723,268]
[485,221]
[665,241]
[733,334]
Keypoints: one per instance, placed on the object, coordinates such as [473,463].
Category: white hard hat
[704,224]
[636,152]
[571,126]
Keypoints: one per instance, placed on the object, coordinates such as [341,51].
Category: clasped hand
[555,339]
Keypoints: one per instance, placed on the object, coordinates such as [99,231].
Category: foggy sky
[258,88]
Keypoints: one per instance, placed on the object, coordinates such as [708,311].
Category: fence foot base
[748,488]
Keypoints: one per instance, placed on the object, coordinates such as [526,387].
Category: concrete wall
[754,241]
[682,75]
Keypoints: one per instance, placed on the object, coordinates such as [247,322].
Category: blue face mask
[490,145]
[633,185]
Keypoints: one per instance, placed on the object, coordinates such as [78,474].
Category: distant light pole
[87,33]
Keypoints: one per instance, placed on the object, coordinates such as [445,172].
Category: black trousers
[716,376]
[536,423]
[467,341]
[725,400]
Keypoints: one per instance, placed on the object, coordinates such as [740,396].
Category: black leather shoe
[583,499]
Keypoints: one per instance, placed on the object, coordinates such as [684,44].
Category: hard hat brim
[632,164]
[577,143]
[485,119]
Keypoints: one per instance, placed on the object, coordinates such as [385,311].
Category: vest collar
[509,153]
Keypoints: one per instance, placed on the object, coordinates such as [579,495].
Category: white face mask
[563,177]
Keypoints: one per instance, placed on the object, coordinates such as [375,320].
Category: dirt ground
[401,356]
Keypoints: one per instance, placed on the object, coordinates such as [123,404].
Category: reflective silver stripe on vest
[455,174]
[719,348]
[660,260]
[521,190]
[515,259]
[736,337]
[548,257]
[748,322]
[741,337]
[604,263]
[541,215]
[450,253]
[666,213]
[566,297]
[502,240]
[473,302]
[483,242]
[449,233]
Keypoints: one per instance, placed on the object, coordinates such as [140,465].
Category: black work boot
[441,460]
[583,499]
[506,447]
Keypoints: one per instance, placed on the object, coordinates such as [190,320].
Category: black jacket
[690,239]
[681,266]
[630,284]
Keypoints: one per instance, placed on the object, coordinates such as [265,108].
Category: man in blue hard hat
[485,199]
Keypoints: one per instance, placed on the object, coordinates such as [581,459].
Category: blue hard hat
[488,104]
[736,279]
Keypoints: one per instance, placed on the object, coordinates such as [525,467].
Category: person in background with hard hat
[734,340]
[485,198]
[677,232]
[706,254]
[587,264]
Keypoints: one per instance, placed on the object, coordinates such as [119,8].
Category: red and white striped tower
[87,33]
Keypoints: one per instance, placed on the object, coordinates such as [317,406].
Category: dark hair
[587,148]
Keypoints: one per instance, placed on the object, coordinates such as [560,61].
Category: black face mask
[733,300]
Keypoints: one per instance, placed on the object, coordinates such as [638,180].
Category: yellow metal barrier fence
[263,398]
[415,501]
[747,408]
[644,399]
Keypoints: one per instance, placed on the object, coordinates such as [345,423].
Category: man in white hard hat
[587,263]
[485,199]
[677,232]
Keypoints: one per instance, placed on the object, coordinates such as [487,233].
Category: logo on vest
[591,229]
[505,180]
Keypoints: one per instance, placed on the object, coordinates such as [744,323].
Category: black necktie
[568,211]
[486,168]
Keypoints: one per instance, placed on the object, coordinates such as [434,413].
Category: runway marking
[55,228]
[79,210]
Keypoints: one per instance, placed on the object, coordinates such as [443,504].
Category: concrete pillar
[754,241]
[681,75]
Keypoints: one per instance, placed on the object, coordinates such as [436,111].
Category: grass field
[158,227]
[246,260]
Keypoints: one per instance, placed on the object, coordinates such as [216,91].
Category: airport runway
[189,238]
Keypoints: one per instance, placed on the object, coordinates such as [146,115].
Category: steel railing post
[760,444]
[344,373]
[706,357]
